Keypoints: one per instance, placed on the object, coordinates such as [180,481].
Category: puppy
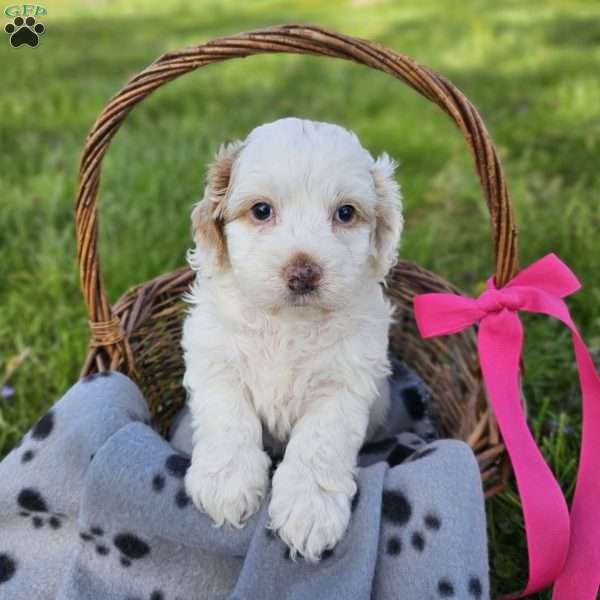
[288,326]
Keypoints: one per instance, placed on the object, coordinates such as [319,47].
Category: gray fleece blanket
[93,507]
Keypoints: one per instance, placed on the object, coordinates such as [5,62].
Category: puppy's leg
[314,484]
[229,473]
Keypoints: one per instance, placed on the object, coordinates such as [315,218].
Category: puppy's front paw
[308,518]
[228,485]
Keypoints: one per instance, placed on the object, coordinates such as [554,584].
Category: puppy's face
[300,214]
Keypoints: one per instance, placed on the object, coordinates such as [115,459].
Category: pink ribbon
[561,550]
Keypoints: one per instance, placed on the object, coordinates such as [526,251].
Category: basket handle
[107,333]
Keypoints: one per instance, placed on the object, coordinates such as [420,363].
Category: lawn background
[532,69]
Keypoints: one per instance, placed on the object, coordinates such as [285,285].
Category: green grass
[531,69]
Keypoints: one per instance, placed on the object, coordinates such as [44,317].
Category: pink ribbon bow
[561,550]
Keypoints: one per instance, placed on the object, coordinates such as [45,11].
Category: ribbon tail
[545,512]
[580,578]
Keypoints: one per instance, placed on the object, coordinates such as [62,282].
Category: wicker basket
[140,334]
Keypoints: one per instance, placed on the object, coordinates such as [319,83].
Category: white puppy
[288,328]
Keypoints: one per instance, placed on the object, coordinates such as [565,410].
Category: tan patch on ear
[384,230]
[219,171]
[208,216]
[209,232]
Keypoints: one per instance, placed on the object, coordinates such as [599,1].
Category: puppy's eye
[345,213]
[262,211]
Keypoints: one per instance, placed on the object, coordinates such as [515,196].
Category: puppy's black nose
[302,274]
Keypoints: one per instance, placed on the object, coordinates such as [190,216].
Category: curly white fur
[312,369]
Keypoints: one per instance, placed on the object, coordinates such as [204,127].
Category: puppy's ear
[210,253]
[388,216]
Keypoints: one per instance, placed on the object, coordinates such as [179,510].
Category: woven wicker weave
[140,334]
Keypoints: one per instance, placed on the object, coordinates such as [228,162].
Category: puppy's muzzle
[302,275]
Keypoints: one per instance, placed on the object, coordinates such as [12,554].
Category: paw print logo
[24,31]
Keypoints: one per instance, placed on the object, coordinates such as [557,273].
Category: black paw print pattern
[131,547]
[32,504]
[39,432]
[176,466]
[414,395]
[128,546]
[24,31]
[8,567]
[417,400]
[446,589]
[415,404]
[95,535]
[398,511]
